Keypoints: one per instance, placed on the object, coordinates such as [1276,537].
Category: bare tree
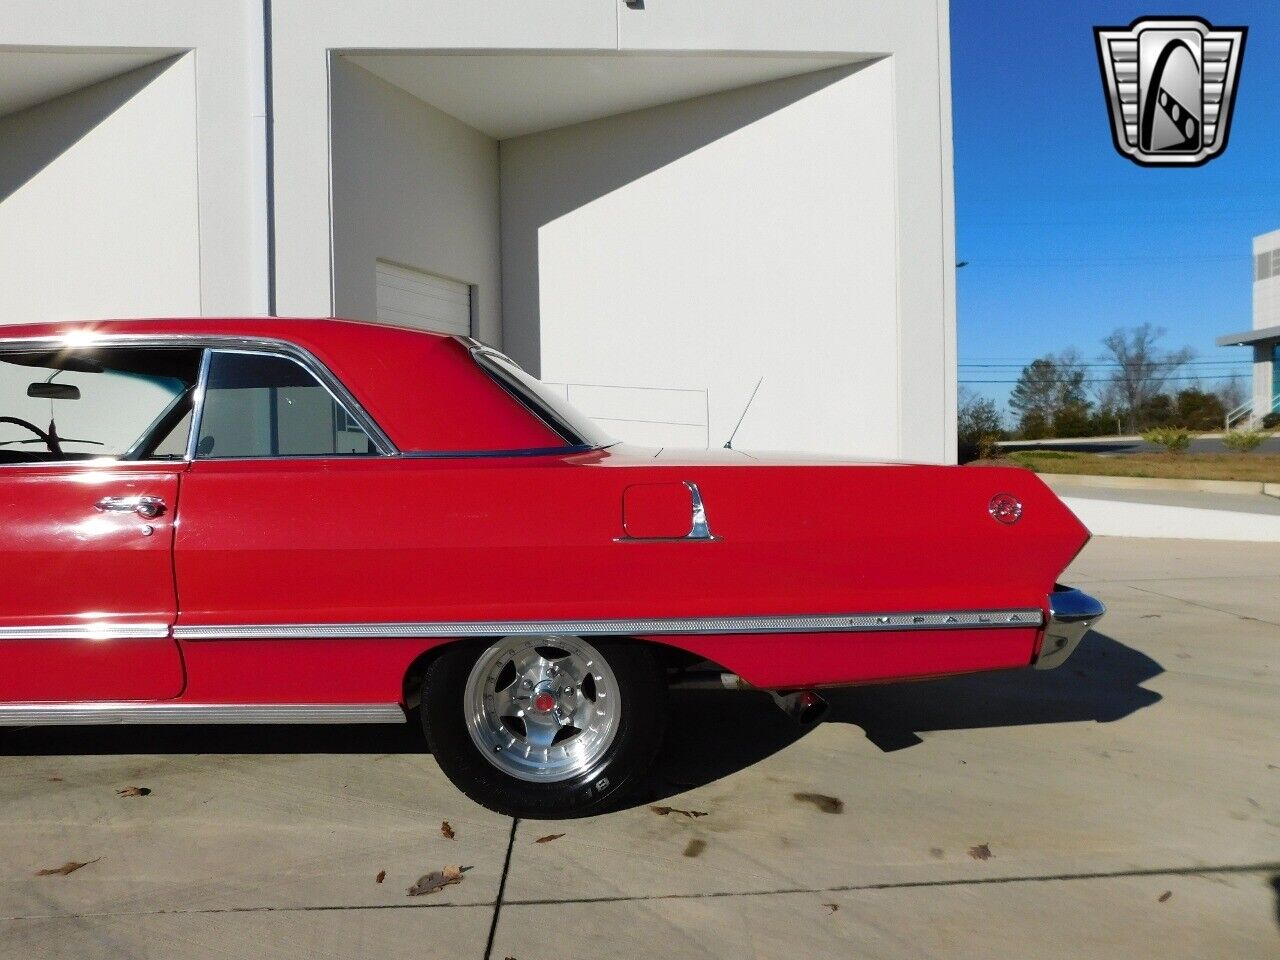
[1232,393]
[1141,368]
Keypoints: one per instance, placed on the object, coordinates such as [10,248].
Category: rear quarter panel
[402,539]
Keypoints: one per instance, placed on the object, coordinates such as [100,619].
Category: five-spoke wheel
[544,726]
[542,709]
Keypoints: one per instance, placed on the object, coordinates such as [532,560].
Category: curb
[1239,487]
[1119,518]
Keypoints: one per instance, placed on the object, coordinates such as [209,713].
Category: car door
[92,447]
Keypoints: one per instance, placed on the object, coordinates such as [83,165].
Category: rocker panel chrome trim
[87,631]
[856,623]
[65,714]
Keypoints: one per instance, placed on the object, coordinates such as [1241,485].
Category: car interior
[118,403]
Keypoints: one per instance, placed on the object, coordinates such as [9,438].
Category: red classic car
[292,521]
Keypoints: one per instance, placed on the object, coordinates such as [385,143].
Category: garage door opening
[424,301]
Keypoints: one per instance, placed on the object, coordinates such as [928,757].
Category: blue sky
[1067,240]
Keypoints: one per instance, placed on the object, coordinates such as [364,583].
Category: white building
[1264,338]
[655,203]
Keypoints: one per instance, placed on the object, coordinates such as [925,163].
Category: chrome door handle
[146,507]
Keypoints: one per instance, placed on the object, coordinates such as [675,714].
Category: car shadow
[719,733]
[711,734]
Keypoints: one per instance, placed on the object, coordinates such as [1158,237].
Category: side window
[92,403]
[261,405]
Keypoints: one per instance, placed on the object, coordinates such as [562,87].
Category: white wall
[412,186]
[1266,293]
[303,33]
[916,33]
[912,33]
[227,111]
[1266,313]
[707,243]
[99,213]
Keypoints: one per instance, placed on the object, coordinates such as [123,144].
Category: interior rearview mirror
[53,391]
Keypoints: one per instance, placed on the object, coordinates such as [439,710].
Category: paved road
[1123,445]
[1130,804]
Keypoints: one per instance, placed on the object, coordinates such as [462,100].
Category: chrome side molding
[89,630]
[67,714]
[856,623]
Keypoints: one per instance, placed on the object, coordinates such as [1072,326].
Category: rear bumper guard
[1071,614]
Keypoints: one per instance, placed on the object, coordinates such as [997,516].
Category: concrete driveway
[1127,805]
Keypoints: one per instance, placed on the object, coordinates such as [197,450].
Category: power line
[1107,364]
[1161,379]
[1045,261]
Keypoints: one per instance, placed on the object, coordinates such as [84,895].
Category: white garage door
[415,298]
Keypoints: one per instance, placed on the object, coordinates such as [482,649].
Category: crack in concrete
[502,889]
[1205,606]
[1205,871]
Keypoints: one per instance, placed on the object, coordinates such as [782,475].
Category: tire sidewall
[641,694]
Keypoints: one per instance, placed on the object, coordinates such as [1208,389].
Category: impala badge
[1005,508]
[1170,84]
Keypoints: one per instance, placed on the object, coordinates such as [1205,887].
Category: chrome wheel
[542,709]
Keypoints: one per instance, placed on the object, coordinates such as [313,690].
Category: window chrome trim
[854,623]
[513,452]
[131,455]
[63,714]
[197,404]
[207,342]
[489,360]
[327,387]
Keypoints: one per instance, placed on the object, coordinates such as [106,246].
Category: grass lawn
[1182,466]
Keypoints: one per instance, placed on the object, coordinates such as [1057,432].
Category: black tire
[642,689]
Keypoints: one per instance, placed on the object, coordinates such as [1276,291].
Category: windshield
[548,404]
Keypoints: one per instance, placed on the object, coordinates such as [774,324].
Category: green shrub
[1173,439]
[1050,454]
[1244,441]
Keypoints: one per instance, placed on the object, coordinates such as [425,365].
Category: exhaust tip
[803,706]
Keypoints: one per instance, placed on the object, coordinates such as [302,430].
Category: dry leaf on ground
[981,852]
[1164,897]
[549,837]
[134,792]
[695,847]
[71,866]
[823,802]
[446,831]
[382,875]
[437,880]
[665,811]
[833,907]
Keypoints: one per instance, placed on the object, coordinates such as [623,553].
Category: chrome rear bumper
[1071,613]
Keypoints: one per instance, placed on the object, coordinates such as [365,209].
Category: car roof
[423,389]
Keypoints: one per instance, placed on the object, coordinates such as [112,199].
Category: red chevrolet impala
[295,521]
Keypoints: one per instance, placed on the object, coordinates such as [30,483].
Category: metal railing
[700,408]
[1246,413]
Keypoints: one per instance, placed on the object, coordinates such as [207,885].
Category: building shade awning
[1248,337]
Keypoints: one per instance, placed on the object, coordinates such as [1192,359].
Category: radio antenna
[728,444]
